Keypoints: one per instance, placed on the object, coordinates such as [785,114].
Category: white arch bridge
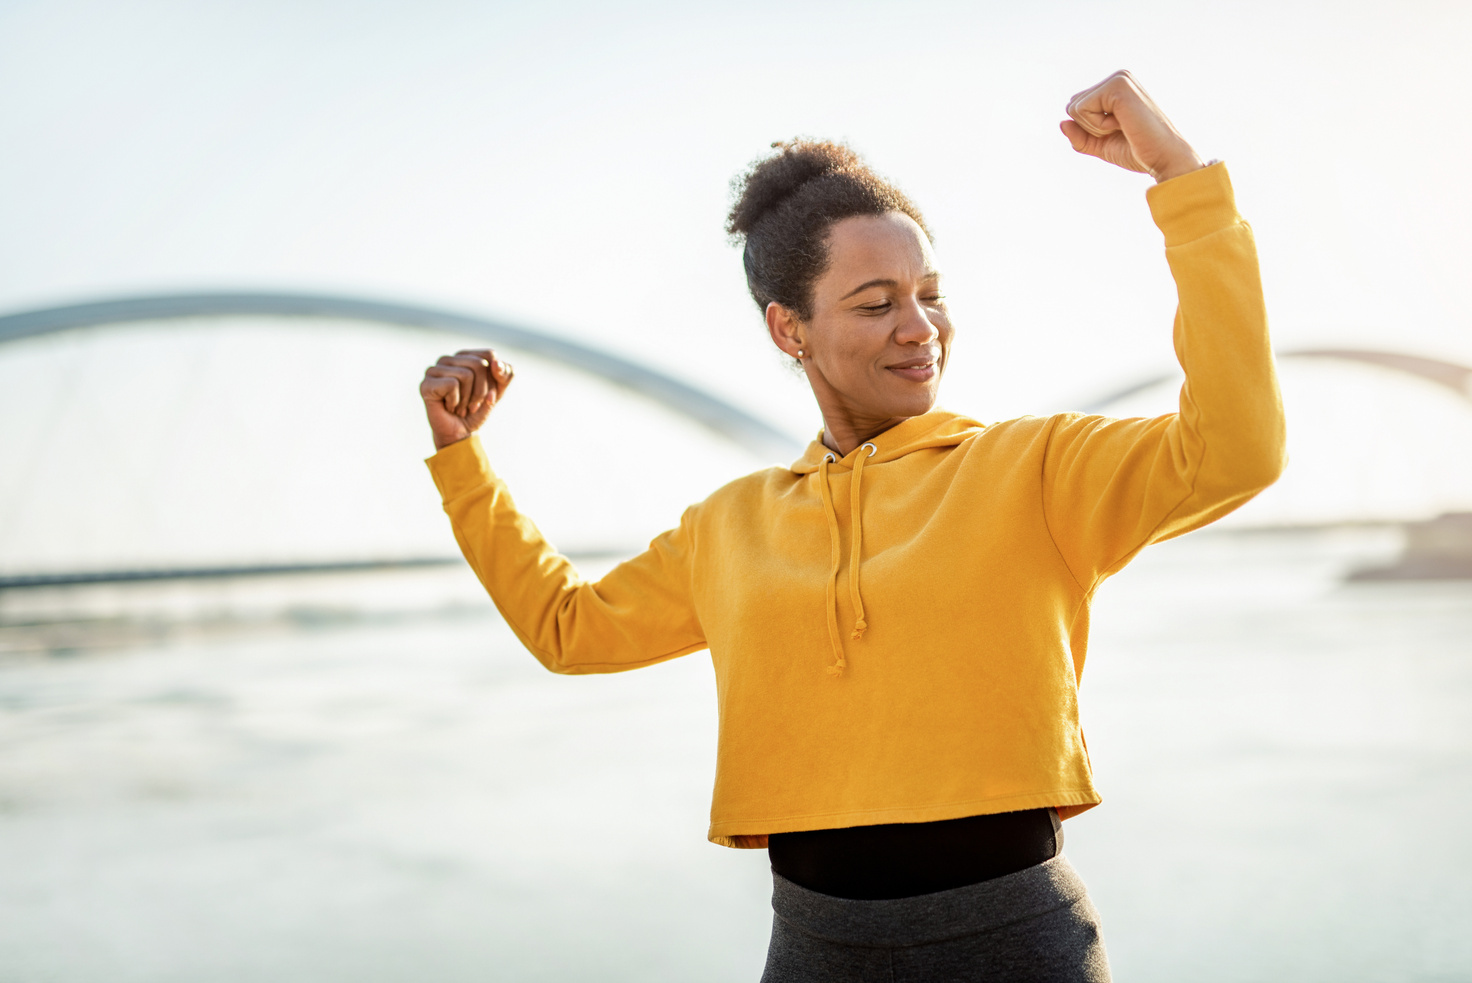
[725,419]
[736,426]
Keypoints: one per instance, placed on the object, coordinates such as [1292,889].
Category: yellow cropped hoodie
[898,634]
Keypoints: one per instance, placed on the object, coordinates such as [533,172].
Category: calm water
[1286,761]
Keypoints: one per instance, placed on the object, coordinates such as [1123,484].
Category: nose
[915,326]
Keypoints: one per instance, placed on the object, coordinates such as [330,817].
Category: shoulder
[1014,442]
[737,505]
[749,490]
[1023,430]
[730,506]
[1057,424]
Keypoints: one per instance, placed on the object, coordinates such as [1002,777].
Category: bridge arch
[725,419]
[1448,375]
[739,429]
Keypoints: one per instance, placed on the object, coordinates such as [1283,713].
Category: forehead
[891,245]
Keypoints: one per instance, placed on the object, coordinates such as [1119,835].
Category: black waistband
[901,860]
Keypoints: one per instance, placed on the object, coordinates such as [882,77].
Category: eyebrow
[883,282]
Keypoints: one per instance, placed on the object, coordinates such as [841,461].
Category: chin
[914,404]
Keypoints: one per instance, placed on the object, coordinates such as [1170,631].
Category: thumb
[1078,137]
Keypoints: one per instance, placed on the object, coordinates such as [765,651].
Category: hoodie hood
[938,428]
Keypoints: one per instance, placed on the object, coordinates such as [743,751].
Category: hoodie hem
[751,834]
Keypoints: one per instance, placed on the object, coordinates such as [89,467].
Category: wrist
[440,443]
[1184,164]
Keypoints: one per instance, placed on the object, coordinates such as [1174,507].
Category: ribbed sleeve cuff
[1193,205]
[459,468]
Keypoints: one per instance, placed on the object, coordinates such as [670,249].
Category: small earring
[801,353]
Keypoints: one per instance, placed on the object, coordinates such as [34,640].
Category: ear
[785,329]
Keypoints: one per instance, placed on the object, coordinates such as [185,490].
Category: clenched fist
[460,390]
[1118,122]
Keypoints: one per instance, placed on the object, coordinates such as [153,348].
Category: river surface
[396,792]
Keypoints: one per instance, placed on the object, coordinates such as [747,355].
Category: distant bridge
[1449,375]
[723,418]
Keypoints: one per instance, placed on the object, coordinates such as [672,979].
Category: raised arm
[1112,486]
[640,613]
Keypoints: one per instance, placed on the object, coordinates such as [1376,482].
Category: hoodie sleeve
[638,614]
[1110,487]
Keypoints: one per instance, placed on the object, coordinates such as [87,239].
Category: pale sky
[567,165]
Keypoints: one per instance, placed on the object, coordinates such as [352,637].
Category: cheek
[947,334]
[852,347]
[944,328]
[859,349]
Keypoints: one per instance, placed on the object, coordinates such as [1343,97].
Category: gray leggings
[1037,924]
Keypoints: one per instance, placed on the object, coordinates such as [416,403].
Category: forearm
[1111,486]
[637,615]
[526,579]
[1230,426]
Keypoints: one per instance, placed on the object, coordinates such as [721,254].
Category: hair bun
[785,205]
[773,179]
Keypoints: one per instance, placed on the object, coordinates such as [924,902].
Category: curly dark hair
[785,204]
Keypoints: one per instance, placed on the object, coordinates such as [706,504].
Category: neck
[843,436]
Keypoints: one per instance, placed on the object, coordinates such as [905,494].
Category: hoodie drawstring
[856,539]
[832,586]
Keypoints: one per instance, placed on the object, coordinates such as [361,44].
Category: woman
[898,621]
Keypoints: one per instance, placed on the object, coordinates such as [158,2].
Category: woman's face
[879,335]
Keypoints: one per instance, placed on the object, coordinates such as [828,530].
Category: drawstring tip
[837,668]
[860,627]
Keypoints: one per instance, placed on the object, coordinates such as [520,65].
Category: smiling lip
[916,369]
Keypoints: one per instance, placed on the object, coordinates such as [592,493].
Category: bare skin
[876,345]
[877,342]
[1118,122]
[459,392]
